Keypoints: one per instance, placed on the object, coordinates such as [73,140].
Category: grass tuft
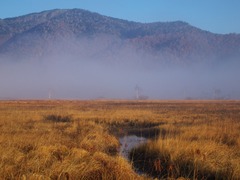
[58,118]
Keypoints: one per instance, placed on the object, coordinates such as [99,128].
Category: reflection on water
[129,142]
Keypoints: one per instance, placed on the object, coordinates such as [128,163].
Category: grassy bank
[48,140]
[202,143]
[77,139]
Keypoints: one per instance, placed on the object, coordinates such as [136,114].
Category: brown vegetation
[201,141]
[74,139]
[55,140]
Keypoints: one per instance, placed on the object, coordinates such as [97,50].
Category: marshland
[63,139]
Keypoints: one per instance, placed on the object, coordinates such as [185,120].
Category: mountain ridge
[28,35]
[79,54]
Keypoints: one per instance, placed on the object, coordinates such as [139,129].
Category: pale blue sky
[219,16]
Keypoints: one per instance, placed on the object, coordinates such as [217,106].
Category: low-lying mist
[93,71]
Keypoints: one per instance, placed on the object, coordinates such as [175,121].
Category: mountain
[88,34]
[78,54]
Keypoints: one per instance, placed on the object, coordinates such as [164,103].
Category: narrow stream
[133,137]
[128,142]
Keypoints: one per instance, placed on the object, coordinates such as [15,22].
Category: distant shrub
[58,118]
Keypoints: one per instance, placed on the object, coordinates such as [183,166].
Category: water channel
[128,143]
[133,137]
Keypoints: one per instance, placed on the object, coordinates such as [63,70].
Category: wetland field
[119,139]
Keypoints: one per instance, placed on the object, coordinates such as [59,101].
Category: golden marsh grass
[197,139]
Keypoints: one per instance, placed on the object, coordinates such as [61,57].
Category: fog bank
[97,69]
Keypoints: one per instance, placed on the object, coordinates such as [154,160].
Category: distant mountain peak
[30,35]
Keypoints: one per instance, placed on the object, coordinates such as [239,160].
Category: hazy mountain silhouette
[67,31]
